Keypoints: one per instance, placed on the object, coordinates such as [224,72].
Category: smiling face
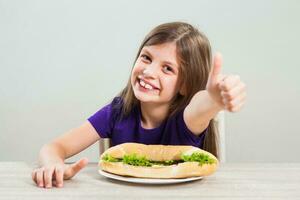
[154,77]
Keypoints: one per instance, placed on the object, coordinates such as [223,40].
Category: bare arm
[222,92]
[200,111]
[69,144]
[52,156]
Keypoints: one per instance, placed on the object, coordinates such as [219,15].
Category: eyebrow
[168,62]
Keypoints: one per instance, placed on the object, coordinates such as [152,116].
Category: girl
[171,98]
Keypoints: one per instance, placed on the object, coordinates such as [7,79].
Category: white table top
[231,181]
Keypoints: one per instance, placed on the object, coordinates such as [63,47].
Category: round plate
[147,180]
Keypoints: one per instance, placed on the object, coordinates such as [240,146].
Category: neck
[153,115]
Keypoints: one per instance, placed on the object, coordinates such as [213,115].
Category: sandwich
[158,161]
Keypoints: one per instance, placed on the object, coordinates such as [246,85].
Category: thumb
[75,168]
[216,68]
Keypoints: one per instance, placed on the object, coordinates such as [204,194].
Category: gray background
[61,61]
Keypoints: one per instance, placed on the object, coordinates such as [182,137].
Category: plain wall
[61,61]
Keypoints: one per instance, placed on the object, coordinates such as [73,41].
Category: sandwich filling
[135,160]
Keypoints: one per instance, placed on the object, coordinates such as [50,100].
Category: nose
[150,71]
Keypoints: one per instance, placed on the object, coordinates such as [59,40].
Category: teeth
[145,85]
[148,87]
[142,83]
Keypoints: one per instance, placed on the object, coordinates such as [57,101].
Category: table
[231,181]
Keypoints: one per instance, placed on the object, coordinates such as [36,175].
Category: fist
[228,91]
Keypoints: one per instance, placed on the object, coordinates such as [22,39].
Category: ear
[182,90]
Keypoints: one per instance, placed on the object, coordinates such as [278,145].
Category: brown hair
[194,56]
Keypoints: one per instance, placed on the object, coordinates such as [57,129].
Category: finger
[33,175]
[216,68]
[234,92]
[232,104]
[76,167]
[229,82]
[221,78]
[40,177]
[48,174]
[238,107]
[59,176]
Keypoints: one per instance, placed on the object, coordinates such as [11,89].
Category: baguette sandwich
[158,161]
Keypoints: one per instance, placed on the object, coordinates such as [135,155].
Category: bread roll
[157,153]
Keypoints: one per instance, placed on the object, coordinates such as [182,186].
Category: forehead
[166,52]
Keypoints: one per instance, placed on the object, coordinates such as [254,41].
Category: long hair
[194,56]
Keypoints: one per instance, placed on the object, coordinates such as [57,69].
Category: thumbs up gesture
[228,91]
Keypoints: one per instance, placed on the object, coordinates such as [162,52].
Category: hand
[228,91]
[57,172]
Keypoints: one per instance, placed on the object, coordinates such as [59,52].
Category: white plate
[147,180]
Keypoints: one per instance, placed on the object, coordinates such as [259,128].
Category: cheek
[136,68]
[171,84]
[134,71]
[132,79]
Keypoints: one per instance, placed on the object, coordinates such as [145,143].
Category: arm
[201,109]
[222,92]
[69,144]
[52,155]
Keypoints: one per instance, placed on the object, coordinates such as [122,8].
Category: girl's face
[154,77]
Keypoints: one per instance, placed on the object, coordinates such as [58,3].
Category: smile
[147,86]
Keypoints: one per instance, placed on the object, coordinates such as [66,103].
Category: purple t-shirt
[172,131]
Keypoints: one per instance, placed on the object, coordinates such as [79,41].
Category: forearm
[51,153]
[203,108]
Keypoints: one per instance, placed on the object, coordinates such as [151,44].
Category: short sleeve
[102,121]
[188,135]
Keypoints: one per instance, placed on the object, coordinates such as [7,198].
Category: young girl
[171,98]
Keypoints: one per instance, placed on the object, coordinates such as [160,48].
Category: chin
[145,98]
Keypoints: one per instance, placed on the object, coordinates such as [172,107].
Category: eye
[145,57]
[167,69]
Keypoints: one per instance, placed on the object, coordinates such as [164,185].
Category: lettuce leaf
[109,158]
[201,158]
[135,160]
